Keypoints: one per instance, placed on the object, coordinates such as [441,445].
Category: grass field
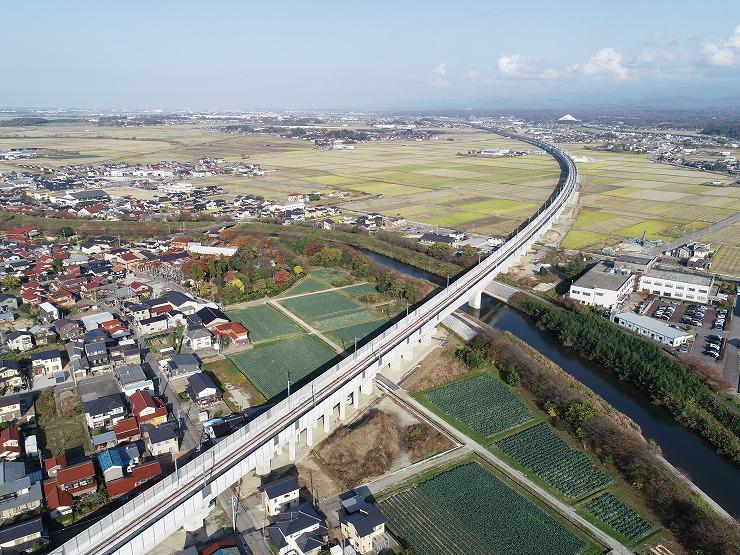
[482,403]
[264,323]
[468,510]
[268,365]
[624,194]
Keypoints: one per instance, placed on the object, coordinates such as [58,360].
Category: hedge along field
[546,455]
[264,323]
[468,510]
[267,365]
[483,403]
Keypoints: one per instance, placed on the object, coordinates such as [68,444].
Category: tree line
[667,381]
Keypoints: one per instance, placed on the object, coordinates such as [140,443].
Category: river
[713,473]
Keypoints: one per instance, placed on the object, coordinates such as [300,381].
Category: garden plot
[467,510]
[546,455]
[482,403]
[269,365]
[612,511]
[264,323]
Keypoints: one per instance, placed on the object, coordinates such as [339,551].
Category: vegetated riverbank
[667,381]
[611,437]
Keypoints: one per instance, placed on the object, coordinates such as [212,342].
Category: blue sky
[242,55]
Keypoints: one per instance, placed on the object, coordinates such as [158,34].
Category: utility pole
[234,506]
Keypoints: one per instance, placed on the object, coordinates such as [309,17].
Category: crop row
[544,453]
[614,512]
[468,510]
[483,403]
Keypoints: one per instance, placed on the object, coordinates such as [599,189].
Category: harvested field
[438,367]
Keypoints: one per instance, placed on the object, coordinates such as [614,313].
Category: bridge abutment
[475,301]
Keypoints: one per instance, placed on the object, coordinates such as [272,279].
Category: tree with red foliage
[281,278]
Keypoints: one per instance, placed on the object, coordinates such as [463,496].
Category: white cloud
[725,52]
[440,76]
[517,66]
[472,74]
[605,64]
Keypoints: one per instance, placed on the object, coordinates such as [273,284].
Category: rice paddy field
[420,180]
[468,510]
[268,365]
[624,194]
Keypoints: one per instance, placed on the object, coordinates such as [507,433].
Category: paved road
[732,351]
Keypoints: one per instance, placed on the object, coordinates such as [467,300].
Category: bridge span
[184,498]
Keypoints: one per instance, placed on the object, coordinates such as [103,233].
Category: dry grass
[421,441]
[438,367]
[364,450]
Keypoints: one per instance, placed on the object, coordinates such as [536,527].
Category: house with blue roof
[111,464]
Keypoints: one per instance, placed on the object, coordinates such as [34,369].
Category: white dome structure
[567,117]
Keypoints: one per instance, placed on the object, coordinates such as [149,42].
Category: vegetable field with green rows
[544,453]
[267,365]
[483,403]
[613,511]
[264,322]
[467,510]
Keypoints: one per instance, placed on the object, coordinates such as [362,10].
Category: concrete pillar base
[342,410]
[309,436]
[263,468]
[193,523]
[327,422]
[475,301]
[367,387]
[355,399]
[291,449]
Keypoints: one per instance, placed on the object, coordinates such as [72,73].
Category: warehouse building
[652,328]
[603,285]
[677,285]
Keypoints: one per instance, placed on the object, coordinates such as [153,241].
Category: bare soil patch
[438,367]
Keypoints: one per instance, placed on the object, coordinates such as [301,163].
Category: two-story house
[104,412]
[46,362]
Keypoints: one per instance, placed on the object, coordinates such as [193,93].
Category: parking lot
[707,322]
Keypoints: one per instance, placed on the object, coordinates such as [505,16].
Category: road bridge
[184,498]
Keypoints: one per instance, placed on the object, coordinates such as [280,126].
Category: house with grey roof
[301,531]
[23,535]
[280,495]
[20,492]
[182,365]
[132,378]
[362,523]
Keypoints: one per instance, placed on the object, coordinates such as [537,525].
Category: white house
[603,285]
[280,495]
[653,329]
[678,285]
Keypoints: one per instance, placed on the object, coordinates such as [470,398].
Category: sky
[368,55]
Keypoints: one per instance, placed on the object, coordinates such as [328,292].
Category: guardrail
[114,530]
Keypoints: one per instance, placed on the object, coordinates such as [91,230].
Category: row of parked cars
[713,346]
[665,311]
[719,322]
[694,315]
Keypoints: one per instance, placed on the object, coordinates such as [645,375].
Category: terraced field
[468,511]
[482,402]
[269,365]
[546,455]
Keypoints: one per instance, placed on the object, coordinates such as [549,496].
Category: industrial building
[603,285]
[677,285]
[652,328]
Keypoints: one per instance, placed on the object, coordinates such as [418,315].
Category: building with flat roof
[603,285]
[653,329]
[677,285]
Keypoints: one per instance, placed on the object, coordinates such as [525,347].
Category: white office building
[653,329]
[677,285]
[603,285]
